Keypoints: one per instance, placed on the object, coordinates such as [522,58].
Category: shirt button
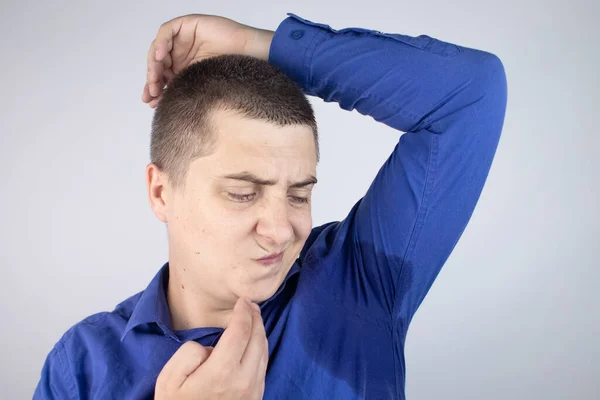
[297,34]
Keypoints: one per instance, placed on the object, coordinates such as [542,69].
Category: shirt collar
[152,305]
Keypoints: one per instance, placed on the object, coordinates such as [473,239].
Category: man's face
[223,222]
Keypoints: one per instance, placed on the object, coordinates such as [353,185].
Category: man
[234,153]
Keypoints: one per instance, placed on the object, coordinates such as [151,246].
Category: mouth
[271,259]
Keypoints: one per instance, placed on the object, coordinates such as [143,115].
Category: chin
[258,296]
[263,290]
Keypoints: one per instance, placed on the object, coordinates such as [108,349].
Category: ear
[158,191]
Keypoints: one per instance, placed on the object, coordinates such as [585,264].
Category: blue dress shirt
[337,325]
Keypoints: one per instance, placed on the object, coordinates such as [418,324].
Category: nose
[274,224]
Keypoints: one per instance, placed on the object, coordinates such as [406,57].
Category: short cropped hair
[181,130]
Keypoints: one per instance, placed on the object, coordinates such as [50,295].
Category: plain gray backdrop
[514,314]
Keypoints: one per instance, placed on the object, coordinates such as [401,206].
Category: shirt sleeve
[56,381]
[450,100]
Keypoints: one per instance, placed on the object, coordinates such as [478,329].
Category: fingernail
[256,307]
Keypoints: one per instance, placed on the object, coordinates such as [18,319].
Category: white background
[514,313]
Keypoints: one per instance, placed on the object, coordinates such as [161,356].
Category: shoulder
[99,328]
[95,334]
[87,342]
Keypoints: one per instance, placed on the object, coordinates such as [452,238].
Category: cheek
[302,223]
[199,226]
[220,228]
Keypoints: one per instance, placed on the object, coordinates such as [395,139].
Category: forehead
[266,149]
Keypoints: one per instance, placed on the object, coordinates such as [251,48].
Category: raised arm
[451,101]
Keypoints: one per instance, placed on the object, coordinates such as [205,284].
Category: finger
[233,342]
[153,79]
[154,73]
[146,98]
[153,63]
[261,371]
[155,82]
[264,362]
[152,51]
[165,35]
[169,74]
[167,62]
[155,89]
[256,347]
[182,364]
[160,49]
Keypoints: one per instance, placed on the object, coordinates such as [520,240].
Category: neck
[191,308]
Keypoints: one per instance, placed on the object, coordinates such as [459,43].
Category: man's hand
[234,370]
[191,38]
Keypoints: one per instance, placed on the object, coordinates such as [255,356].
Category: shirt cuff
[293,45]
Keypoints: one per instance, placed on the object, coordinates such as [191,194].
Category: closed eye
[242,198]
[299,200]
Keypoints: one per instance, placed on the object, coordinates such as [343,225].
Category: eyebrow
[249,177]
